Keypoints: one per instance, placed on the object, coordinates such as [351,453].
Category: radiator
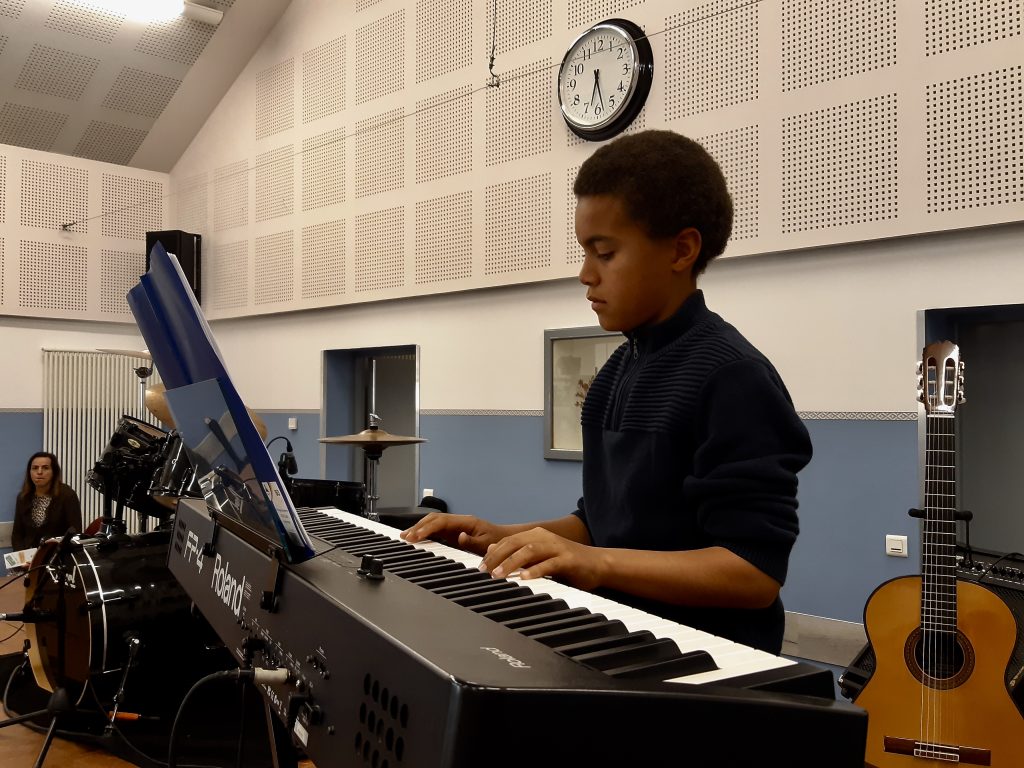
[85,394]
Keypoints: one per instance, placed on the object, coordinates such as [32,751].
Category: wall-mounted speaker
[187,248]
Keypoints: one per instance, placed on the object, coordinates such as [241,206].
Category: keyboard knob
[371,568]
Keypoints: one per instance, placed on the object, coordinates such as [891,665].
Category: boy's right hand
[464,531]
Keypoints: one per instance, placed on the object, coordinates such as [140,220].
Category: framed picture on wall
[572,357]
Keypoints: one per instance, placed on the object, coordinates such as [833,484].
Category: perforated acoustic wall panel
[712,53]
[227,265]
[736,153]
[231,195]
[109,142]
[275,267]
[833,122]
[975,141]
[518,225]
[275,99]
[1,271]
[444,135]
[94,23]
[518,122]
[323,169]
[444,37]
[380,154]
[120,272]
[380,250]
[53,195]
[141,93]
[132,207]
[56,72]
[180,40]
[323,260]
[74,234]
[275,183]
[380,58]
[190,204]
[444,238]
[52,276]
[839,165]
[323,80]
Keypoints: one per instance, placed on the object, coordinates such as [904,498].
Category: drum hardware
[373,441]
[133,648]
[60,703]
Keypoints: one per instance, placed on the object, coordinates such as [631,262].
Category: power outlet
[427,492]
[896,546]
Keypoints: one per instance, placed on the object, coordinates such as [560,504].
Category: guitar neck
[938,537]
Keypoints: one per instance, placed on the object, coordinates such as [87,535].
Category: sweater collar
[651,338]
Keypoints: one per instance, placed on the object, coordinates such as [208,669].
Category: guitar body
[976,709]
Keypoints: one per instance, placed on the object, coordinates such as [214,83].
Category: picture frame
[572,357]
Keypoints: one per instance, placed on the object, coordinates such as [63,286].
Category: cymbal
[372,438]
[156,404]
[143,353]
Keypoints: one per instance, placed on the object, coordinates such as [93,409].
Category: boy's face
[632,280]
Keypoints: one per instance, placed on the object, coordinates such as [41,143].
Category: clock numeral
[572,83]
[576,100]
[600,45]
[620,52]
[586,53]
[577,69]
[611,101]
[597,110]
[625,69]
[621,88]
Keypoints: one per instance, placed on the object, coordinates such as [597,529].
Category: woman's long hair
[28,488]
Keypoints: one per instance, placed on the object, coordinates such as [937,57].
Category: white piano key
[733,659]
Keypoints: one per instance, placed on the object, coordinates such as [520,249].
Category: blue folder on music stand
[235,470]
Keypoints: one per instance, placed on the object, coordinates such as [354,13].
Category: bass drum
[100,595]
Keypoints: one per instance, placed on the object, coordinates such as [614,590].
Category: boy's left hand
[538,552]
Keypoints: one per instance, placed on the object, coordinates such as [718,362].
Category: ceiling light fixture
[203,13]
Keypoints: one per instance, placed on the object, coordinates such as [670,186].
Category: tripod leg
[282,752]
[46,742]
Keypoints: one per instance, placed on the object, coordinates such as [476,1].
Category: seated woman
[46,507]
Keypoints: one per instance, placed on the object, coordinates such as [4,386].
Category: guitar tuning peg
[920,368]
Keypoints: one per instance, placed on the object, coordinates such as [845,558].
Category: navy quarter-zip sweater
[690,440]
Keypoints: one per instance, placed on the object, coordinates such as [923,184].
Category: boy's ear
[688,245]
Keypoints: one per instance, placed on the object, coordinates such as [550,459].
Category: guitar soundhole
[938,660]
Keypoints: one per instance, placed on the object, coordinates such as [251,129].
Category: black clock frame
[644,71]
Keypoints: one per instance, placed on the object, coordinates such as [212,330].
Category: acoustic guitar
[938,692]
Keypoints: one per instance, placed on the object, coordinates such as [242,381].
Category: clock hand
[596,89]
[597,85]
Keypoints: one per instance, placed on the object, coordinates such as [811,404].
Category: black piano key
[525,624]
[575,621]
[385,547]
[483,585]
[646,651]
[478,598]
[406,557]
[510,602]
[689,663]
[543,613]
[527,609]
[603,642]
[568,636]
[463,577]
[432,572]
[452,570]
[416,569]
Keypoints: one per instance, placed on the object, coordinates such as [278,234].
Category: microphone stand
[60,702]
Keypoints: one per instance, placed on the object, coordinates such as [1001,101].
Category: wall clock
[605,78]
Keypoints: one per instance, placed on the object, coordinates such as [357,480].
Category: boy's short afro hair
[666,183]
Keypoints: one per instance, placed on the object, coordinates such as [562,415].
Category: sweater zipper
[623,388]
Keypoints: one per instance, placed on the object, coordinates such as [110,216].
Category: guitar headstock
[940,378]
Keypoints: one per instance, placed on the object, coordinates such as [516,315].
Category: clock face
[604,79]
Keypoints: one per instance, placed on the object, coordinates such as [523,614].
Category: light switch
[896,546]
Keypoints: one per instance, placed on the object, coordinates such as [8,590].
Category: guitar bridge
[948,753]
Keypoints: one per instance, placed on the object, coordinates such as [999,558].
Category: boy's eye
[605,256]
